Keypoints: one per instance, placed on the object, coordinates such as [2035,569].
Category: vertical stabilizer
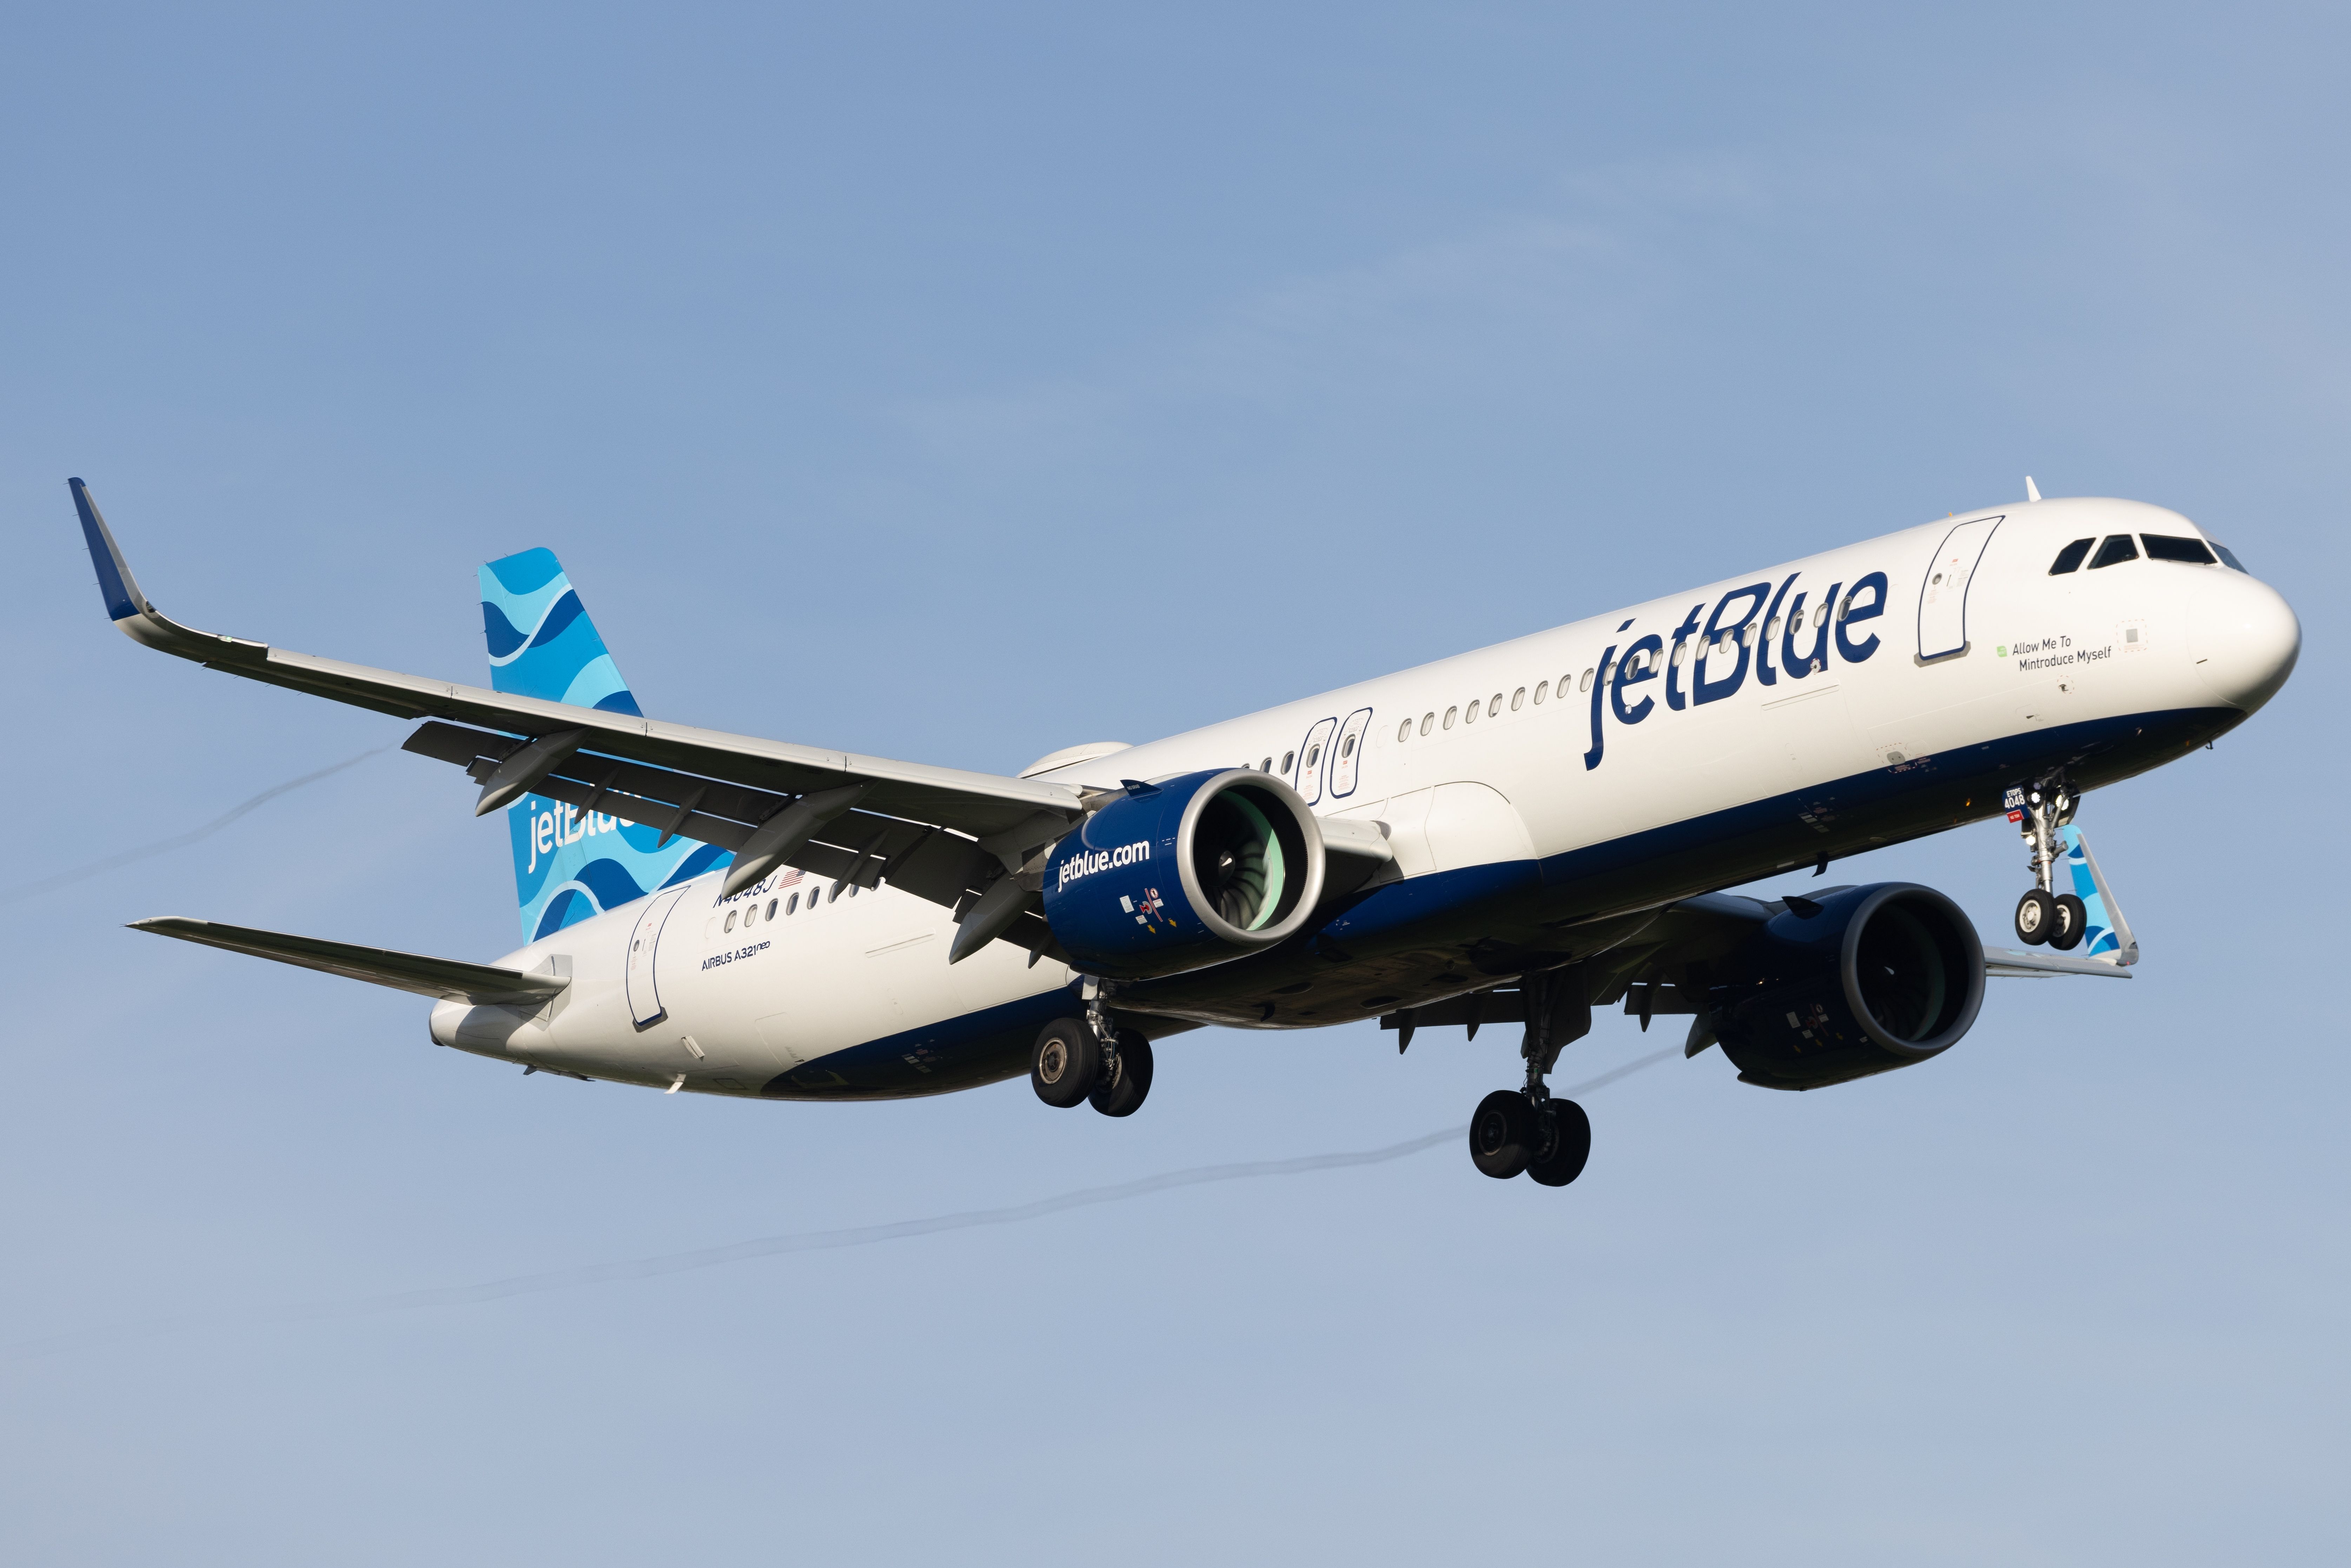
[568,864]
[2107,935]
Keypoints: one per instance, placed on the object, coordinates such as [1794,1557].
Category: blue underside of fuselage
[1727,847]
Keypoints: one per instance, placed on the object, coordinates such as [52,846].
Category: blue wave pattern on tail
[2098,937]
[568,866]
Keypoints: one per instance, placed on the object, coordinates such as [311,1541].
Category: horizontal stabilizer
[447,978]
[2016,965]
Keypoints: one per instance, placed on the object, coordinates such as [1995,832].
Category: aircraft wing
[448,978]
[939,831]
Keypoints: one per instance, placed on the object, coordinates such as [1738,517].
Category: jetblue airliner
[1516,835]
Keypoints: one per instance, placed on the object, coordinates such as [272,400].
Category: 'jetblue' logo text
[565,825]
[1733,645]
[1085,863]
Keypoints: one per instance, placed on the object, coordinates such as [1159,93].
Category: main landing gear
[1525,1130]
[1085,1060]
[2044,915]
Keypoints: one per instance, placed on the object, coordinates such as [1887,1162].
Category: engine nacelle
[1179,875]
[1883,977]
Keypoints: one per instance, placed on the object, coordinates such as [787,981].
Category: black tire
[2037,917]
[1565,1145]
[1122,1090]
[2073,920]
[1066,1064]
[1503,1134]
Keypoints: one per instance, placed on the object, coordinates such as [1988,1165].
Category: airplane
[1521,834]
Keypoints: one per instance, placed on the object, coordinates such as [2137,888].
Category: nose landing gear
[2044,915]
[1525,1131]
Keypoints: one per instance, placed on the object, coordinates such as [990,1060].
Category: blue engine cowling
[1185,874]
[1882,977]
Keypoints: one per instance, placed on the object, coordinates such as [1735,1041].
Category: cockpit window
[2172,547]
[2117,550]
[2070,557]
[2227,557]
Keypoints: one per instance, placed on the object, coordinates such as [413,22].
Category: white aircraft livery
[1516,835]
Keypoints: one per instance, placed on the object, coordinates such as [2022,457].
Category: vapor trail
[807,1240]
[163,846]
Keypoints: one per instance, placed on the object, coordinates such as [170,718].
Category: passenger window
[2117,550]
[2070,556]
[730,921]
[1427,719]
[2172,547]
[793,905]
[750,915]
[1494,706]
[1289,758]
[1542,689]
[1821,616]
[1404,731]
[1450,714]
[1771,629]
[1587,682]
[1518,699]
[1472,717]
[1681,654]
[2229,558]
[771,909]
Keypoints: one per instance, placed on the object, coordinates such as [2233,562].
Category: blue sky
[960,385]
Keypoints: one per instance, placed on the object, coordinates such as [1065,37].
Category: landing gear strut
[1525,1130]
[2044,915]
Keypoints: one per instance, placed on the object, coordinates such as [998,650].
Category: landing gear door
[644,945]
[1314,758]
[1349,757]
[1943,597]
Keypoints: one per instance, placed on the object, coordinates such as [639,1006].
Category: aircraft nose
[2243,637]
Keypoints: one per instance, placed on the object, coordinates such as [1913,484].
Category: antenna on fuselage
[2032,491]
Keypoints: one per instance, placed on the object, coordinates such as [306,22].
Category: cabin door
[644,947]
[1943,597]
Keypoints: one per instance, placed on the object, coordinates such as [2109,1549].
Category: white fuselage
[1581,767]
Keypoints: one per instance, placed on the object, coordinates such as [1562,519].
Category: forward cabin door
[644,945]
[1943,597]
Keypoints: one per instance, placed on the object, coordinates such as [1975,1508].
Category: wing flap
[450,979]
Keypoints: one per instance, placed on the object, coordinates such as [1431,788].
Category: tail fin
[568,865]
[2107,935]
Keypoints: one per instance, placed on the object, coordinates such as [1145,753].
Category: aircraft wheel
[1066,1064]
[2072,922]
[1121,1092]
[1503,1134]
[1561,1158]
[2037,917]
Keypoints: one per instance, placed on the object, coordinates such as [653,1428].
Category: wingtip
[115,583]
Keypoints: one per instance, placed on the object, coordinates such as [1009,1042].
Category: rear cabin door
[1943,597]
[644,945]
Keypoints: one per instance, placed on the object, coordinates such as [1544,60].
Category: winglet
[133,615]
[123,599]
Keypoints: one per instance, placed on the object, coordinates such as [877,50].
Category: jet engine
[1185,874]
[1864,980]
